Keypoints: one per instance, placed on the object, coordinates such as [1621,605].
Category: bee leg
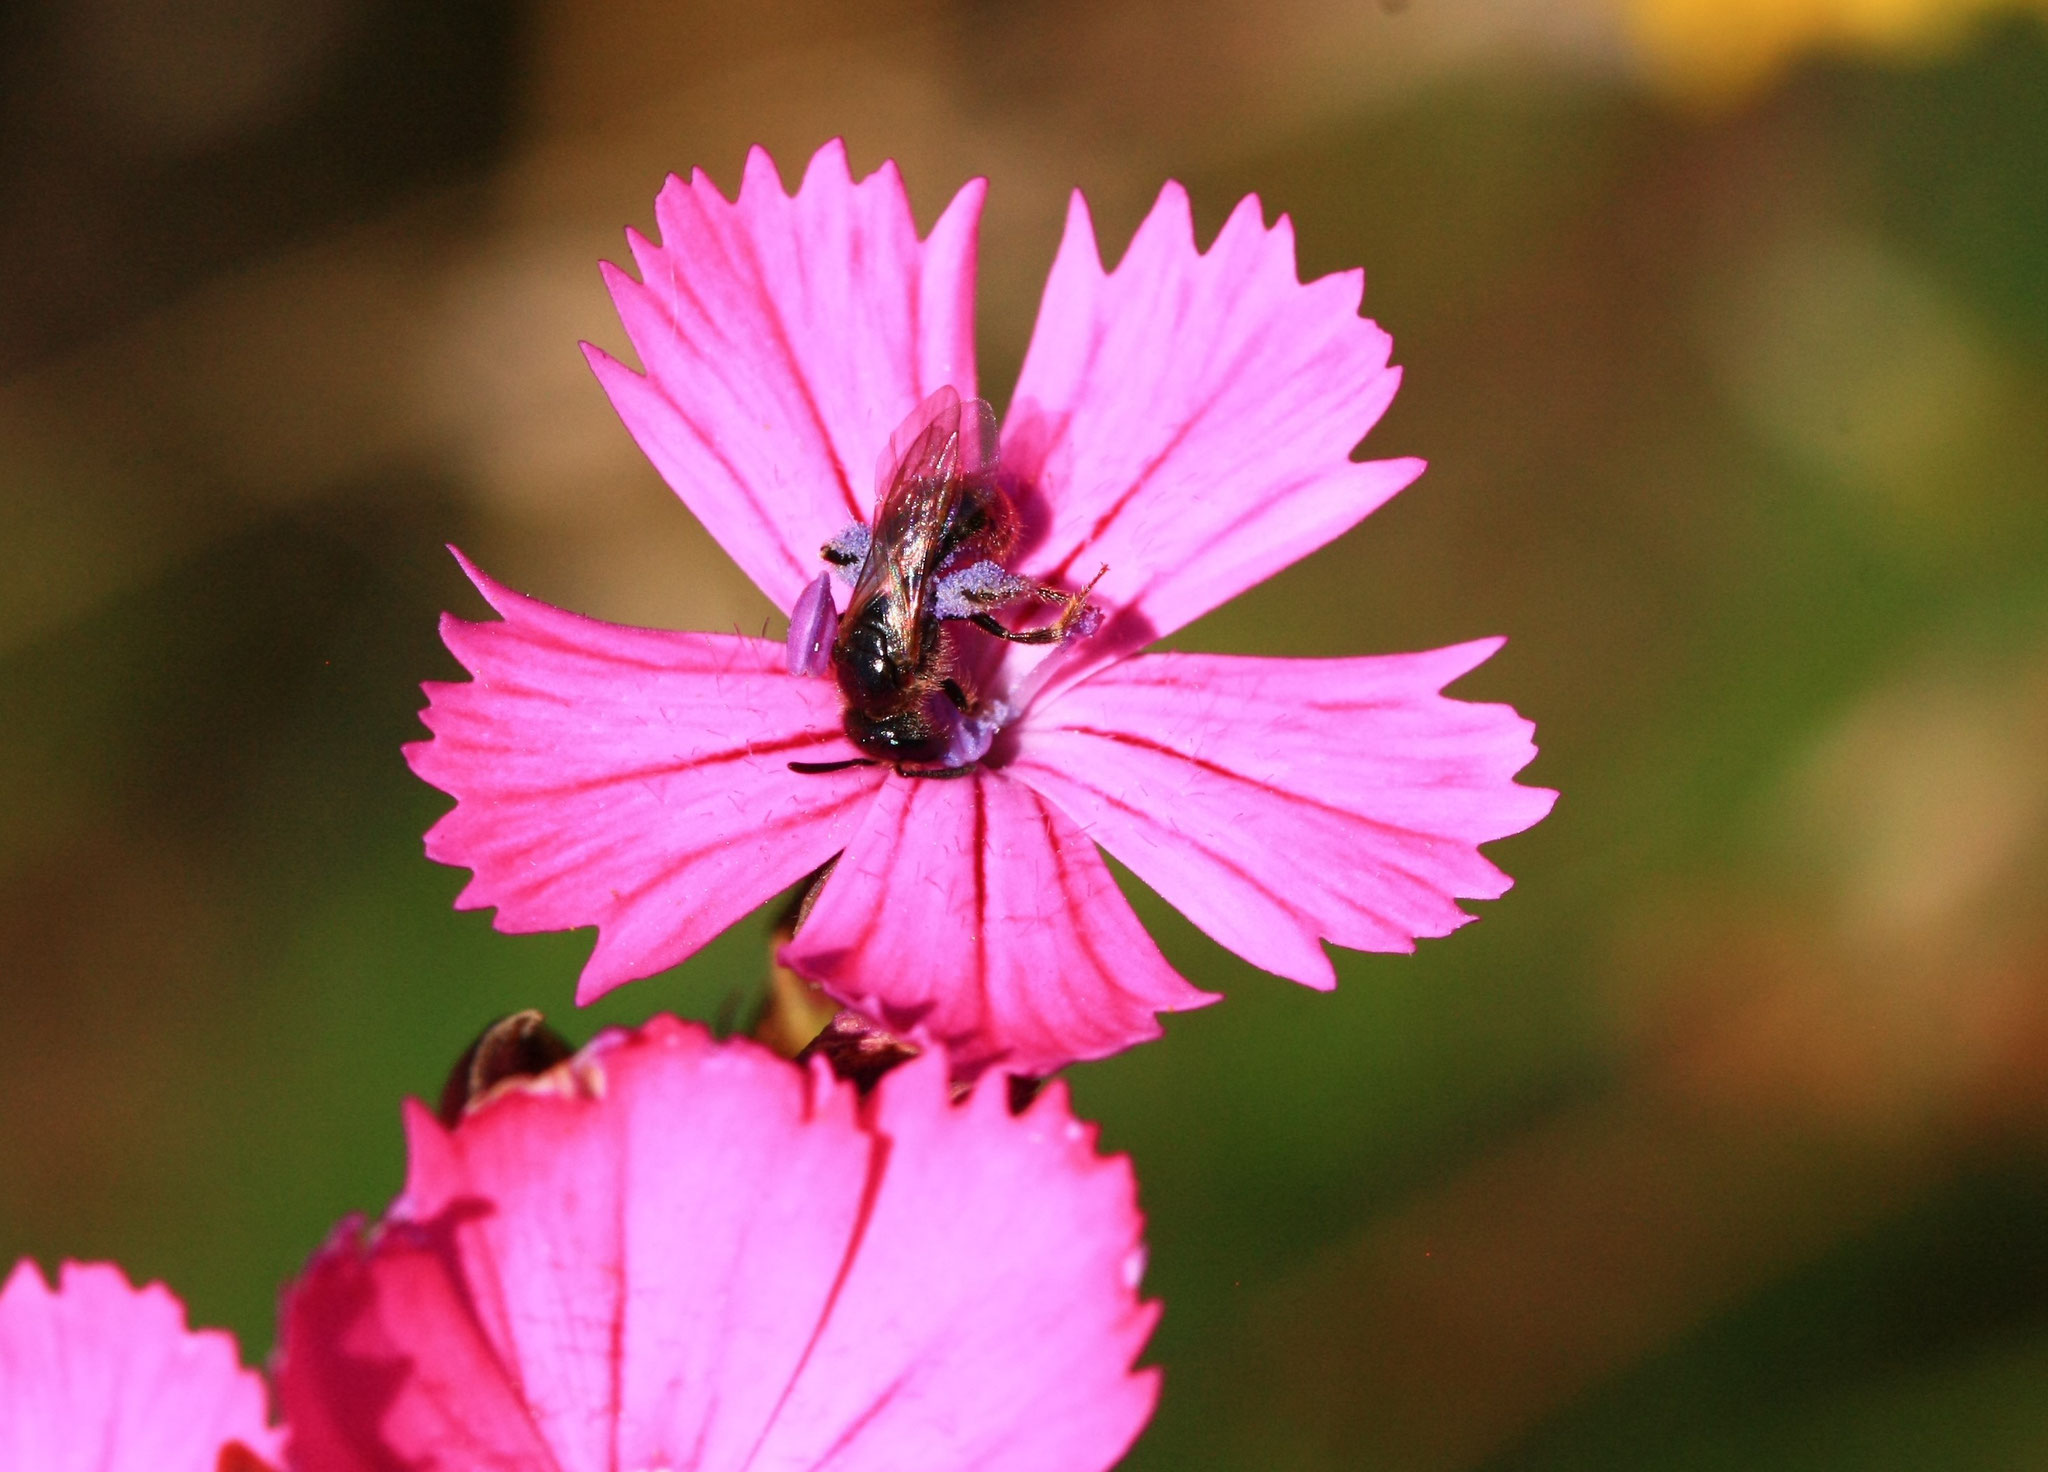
[814,769]
[962,701]
[849,548]
[1055,596]
[936,773]
[1079,616]
[988,625]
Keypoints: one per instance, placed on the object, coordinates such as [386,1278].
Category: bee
[943,525]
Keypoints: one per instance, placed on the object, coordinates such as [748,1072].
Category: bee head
[921,731]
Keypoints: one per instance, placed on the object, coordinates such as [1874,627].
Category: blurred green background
[1722,1141]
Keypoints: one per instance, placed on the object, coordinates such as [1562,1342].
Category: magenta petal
[1188,419]
[674,1254]
[783,339]
[973,913]
[1276,801]
[100,1376]
[940,1351]
[633,779]
[385,1369]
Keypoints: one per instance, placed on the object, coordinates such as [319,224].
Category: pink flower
[1184,422]
[669,1253]
[100,1376]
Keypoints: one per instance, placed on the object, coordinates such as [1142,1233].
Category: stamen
[813,625]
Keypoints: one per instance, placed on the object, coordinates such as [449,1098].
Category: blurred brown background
[1722,1141]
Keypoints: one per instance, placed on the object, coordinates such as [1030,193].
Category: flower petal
[992,1369]
[386,1369]
[100,1376]
[1275,801]
[1187,420]
[974,914]
[632,779]
[783,339]
[671,1253]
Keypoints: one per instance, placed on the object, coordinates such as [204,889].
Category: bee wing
[933,451]
[976,423]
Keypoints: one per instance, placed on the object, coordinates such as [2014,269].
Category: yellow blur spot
[1715,49]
